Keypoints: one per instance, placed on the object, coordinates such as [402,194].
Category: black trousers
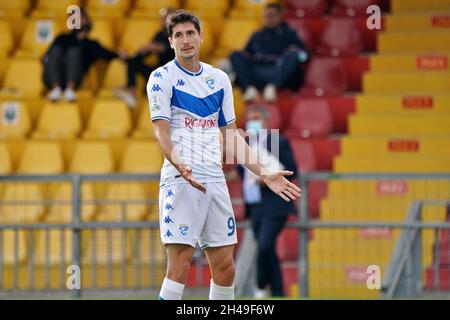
[266,231]
[61,67]
[136,66]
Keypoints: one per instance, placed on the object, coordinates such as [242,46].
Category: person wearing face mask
[271,58]
[68,59]
[268,214]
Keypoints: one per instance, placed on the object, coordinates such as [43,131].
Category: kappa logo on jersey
[183,229]
[155,103]
[168,206]
[180,83]
[199,123]
[168,234]
[167,219]
[156,88]
[157,75]
[169,193]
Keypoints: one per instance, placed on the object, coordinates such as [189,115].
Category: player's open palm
[186,173]
[282,186]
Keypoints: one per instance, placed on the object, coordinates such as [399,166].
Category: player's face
[185,40]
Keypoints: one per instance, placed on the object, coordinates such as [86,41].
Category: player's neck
[192,65]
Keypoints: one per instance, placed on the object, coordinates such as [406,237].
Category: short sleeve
[159,92]
[226,113]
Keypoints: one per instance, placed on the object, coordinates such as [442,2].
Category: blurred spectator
[267,211]
[270,61]
[68,59]
[159,45]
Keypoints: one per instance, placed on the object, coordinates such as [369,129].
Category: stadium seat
[5,162]
[339,38]
[325,77]
[150,8]
[218,7]
[16,123]
[410,6]
[305,8]
[53,247]
[249,9]
[24,77]
[235,35]
[14,8]
[304,155]
[109,119]
[235,191]
[422,41]
[419,21]
[41,157]
[138,32]
[287,245]
[409,62]
[103,33]
[37,37]
[115,79]
[127,203]
[14,243]
[144,128]
[352,8]
[110,9]
[355,67]
[58,121]
[326,150]
[303,32]
[147,244]
[142,157]
[53,9]
[6,39]
[63,212]
[310,118]
[92,157]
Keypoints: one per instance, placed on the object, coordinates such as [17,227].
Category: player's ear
[201,36]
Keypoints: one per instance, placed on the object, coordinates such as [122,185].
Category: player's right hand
[186,173]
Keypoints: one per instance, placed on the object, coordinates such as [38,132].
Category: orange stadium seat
[311,118]
[340,37]
[325,77]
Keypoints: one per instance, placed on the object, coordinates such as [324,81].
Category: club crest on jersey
[210,82]
[183,229]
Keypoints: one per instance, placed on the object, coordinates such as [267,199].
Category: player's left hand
[282,186]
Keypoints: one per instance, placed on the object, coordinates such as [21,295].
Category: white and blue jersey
[196,105]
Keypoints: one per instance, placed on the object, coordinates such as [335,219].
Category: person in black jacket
[267,212]
[271,58]
[68,59]
[159,44]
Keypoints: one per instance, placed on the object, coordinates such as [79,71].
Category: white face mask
[254,126]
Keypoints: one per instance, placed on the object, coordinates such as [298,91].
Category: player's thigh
[179,253]
[220,257]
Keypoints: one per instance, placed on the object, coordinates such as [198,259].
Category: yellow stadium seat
[53,247]
[414,41]
[5,161]
[208,41]
[365,147]
[12,8]
[58,121]
[53,9]
[113,9]
[107,246]
[399,126]
[127,203]
[6,39]
[398,6]
[14,242]
[404,104]
[103,33]
[26,203]
[235,35]
[392,164]
[148,246]
[63,212]
[91,157]
[425,82]
[109,119]
[142,157]
[249,8]
[15,123]
[150,8]
[144,129]
[115,78]
[409,62]
[41,157]
[138,32]
[24,77]
[415,21]
[38,36]
[219,6]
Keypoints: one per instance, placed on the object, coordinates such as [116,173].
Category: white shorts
[188,216]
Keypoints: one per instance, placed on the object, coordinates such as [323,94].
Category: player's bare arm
[161,129]
[276,181]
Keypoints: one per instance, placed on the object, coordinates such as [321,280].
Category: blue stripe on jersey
[160,117]
[202,107]
[188,72]
[222,121]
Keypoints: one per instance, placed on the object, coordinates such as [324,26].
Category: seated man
[159,45]
[68,59]
[271,58]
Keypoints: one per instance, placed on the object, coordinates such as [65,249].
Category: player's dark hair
[181,16]
[275,6]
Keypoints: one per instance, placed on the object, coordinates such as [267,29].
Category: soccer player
[191,105]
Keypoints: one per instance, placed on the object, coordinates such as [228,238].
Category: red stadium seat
[325,77]
[235,190]
[444,278]
[341,108]
[310,118]
[290,277]
[305,8]
[318,189]
[341,37]
[303,32]
[325,151]
[352,8]
[355,67]
[287,245]
[304,155]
